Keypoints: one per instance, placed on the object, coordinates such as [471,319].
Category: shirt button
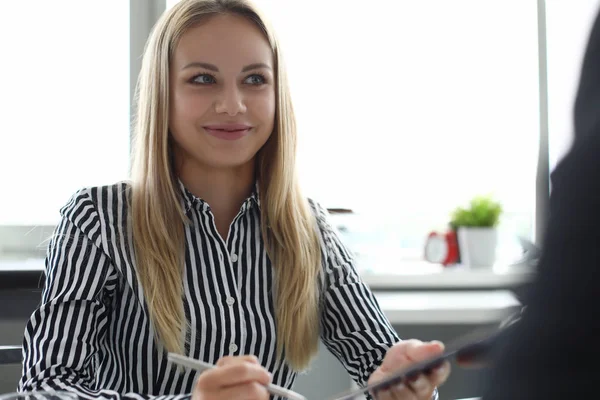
[234,257]
[233,348]
[230,300]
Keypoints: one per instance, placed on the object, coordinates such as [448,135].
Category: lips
[227,131]
[228,127]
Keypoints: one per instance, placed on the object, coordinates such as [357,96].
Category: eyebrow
[212,67]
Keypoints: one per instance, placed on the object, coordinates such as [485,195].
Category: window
[65,96]
[407,109]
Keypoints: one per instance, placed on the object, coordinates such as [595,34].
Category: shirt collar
[189,200]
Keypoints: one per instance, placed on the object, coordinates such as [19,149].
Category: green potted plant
[476,231]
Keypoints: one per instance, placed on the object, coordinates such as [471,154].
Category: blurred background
[406,110]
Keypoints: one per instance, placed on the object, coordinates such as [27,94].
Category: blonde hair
[287,223]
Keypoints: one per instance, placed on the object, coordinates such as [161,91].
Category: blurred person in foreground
[553,352]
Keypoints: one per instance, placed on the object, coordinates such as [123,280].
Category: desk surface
[406,275]
[448,307]
[29,265]
[424,275]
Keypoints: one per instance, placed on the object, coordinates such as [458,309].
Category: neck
[219,187]
[224,189]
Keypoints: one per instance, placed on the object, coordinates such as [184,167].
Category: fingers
[440,374]
[244,369]
[421,386]
[234,359]
[397,357]
[247,391]
[236,374]
[234,371]
[398,392]
[423,351]
[408,352]
[402,355]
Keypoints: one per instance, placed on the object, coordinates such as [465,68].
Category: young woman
[210,250]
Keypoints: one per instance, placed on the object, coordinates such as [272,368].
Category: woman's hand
[401,356]
[235,378]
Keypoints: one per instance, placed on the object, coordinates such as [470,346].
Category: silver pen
[203,366]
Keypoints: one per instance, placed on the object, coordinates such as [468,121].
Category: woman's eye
[255,79]
[203,79]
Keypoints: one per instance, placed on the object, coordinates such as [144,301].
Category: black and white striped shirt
[92,334]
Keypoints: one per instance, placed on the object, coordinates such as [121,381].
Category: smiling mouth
[228,133]
[229,130]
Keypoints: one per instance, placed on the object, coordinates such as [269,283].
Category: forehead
[224,39]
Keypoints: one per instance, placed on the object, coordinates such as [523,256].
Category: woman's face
[222,94]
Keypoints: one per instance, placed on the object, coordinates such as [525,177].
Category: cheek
[186,107]
[264,108]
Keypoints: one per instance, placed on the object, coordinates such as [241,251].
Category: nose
[230,101]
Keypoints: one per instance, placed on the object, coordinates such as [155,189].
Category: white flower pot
[477,246]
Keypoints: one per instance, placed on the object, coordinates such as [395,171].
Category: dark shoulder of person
[554,352]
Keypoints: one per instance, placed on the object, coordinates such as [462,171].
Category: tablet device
[472,347]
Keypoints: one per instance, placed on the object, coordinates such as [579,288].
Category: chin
[231,161]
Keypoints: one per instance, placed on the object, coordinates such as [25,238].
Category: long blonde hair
[288,225]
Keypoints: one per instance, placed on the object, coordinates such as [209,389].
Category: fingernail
[441,370]
[399,387]
[420,384]
[438,343]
